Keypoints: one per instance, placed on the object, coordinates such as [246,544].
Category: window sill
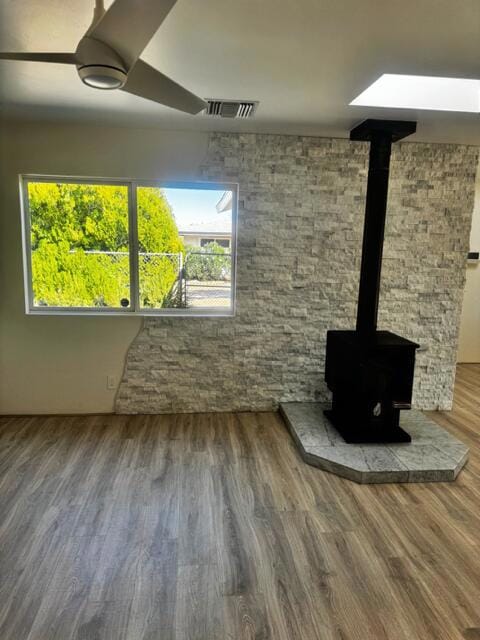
[166,313]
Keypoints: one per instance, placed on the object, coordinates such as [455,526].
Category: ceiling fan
[108,55]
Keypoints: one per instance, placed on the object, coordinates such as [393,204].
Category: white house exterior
[218,230]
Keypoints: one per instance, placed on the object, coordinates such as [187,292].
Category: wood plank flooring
[210,527]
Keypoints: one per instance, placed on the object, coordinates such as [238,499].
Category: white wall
[192,240]
[469,341]
[55,364]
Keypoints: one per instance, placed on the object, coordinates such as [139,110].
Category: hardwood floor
[210,527]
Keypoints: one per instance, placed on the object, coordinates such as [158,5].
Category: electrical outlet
[111,382]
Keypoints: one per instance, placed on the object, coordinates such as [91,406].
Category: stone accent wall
[301,210]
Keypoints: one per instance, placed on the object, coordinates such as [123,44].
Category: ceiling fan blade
[128,26]
[59,58]
[146,82]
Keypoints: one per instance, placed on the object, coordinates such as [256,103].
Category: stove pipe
[380,134]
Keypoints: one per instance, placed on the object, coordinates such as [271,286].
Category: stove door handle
[398,404]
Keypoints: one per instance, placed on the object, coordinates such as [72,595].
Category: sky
[194,206]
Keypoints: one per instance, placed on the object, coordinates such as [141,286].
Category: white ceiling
[304,60]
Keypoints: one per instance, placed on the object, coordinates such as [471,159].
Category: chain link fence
[200,279]
[208,279]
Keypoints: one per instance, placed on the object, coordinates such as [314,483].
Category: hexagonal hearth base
[433,455]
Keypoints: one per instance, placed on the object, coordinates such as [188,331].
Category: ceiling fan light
[102,77]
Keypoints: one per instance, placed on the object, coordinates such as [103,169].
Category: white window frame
[134,309]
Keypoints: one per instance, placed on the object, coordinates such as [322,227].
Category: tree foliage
[207,263]
[68,221]
[157,233]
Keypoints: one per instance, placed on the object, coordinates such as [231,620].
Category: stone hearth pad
[434,455]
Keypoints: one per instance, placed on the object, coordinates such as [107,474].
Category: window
[128,247]
[222,242]
[434,93]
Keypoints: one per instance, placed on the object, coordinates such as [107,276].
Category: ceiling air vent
[230,108]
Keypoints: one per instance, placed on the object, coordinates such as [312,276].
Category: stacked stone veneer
[300,223]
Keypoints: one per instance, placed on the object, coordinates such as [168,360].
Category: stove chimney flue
[380,134]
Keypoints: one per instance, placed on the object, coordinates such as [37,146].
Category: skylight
[422,92]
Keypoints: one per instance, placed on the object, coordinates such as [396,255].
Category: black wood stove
[370,372]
